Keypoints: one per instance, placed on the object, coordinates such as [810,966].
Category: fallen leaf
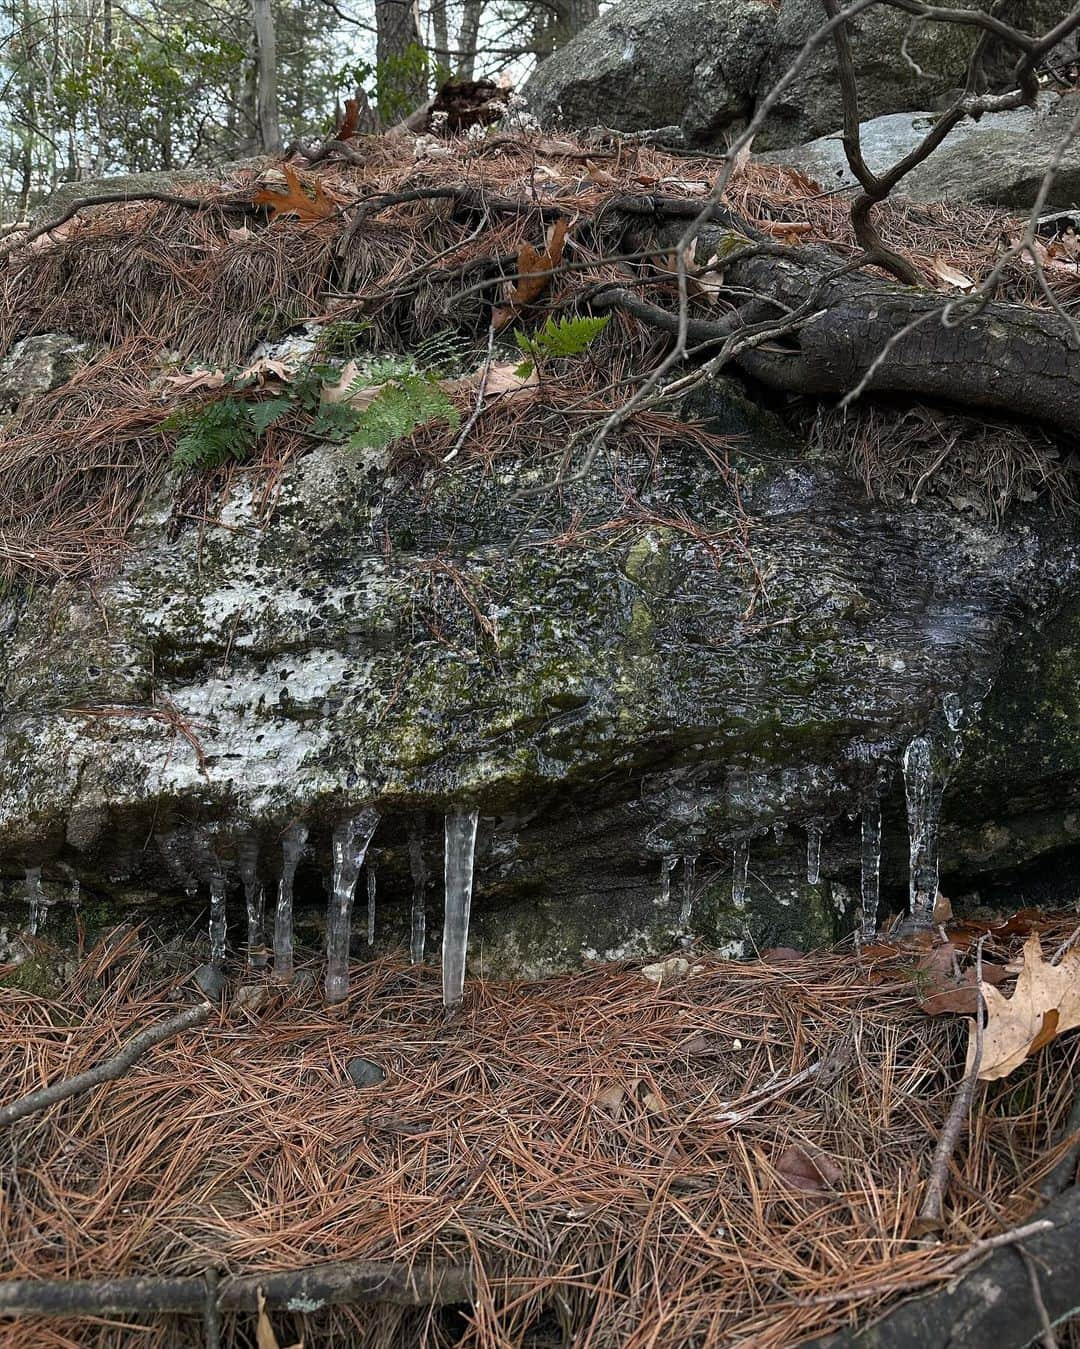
[944,271]
[666,971]
[534,273]
[808,1172]
[346,128]
[239,234]
[779,955]
[505,380]
[942,909]
[1044,1004]
[599,175]
[611,1099]
[295,200]
[197,379]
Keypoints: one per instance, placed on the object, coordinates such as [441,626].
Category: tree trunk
[441,44]
[468,36]
[401,80]
[266,99]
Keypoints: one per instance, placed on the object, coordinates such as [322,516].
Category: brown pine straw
[608,1154]
[148,283]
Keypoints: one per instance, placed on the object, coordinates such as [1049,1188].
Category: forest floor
[701,1152]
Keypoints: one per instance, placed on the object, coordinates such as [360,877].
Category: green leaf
[269,411]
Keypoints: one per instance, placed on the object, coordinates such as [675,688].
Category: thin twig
[109,1069]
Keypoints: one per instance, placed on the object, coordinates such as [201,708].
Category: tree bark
[401,85]
[992,1303]
[468,36]
[266,94]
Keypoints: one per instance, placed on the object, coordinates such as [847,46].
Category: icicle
[813,854]
[779,829]
[870,884]
[460,850]
[218,926]
[419,919]
[255,903]
[953,709]
[689,867]
[370,905]
[924,787]
[739,870]
[35,897]
[667,866]
[292,850]
[351,839]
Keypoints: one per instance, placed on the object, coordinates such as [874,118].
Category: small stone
[364,1073]
[250,998]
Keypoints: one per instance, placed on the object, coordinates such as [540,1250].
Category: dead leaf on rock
[1044,1004]
[808,1172]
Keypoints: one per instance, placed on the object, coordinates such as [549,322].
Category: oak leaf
[295,200]
[1044,1004]
[534,273]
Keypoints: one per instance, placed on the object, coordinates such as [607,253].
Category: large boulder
[705,67]
[646,64]
[1000,160]
[634,682]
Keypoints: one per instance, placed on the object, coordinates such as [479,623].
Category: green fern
[404,403]
[558,337]
[226,430]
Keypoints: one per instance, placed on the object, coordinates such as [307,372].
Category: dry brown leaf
[295,200]
[940,989]
[807,185]
[534,273]
[599,175]
[946,272]
[504,380]
[812,1173]
[339,392]
[239,234]
[1044,1004]
[197,379]
[611,1099]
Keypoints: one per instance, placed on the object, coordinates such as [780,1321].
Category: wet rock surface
[639,688]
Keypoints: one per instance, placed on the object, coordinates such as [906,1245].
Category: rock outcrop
[617,692]
[705,67]
[1001,160]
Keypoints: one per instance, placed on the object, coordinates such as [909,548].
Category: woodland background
[96,87]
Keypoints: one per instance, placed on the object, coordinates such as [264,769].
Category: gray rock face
[621,701]
[1000,160]
[646,64]
[706,66]
[37,365]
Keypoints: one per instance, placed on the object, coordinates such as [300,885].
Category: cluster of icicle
[928,763]
[351,841]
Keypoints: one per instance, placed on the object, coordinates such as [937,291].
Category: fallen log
[304,1290]
[992,1302]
